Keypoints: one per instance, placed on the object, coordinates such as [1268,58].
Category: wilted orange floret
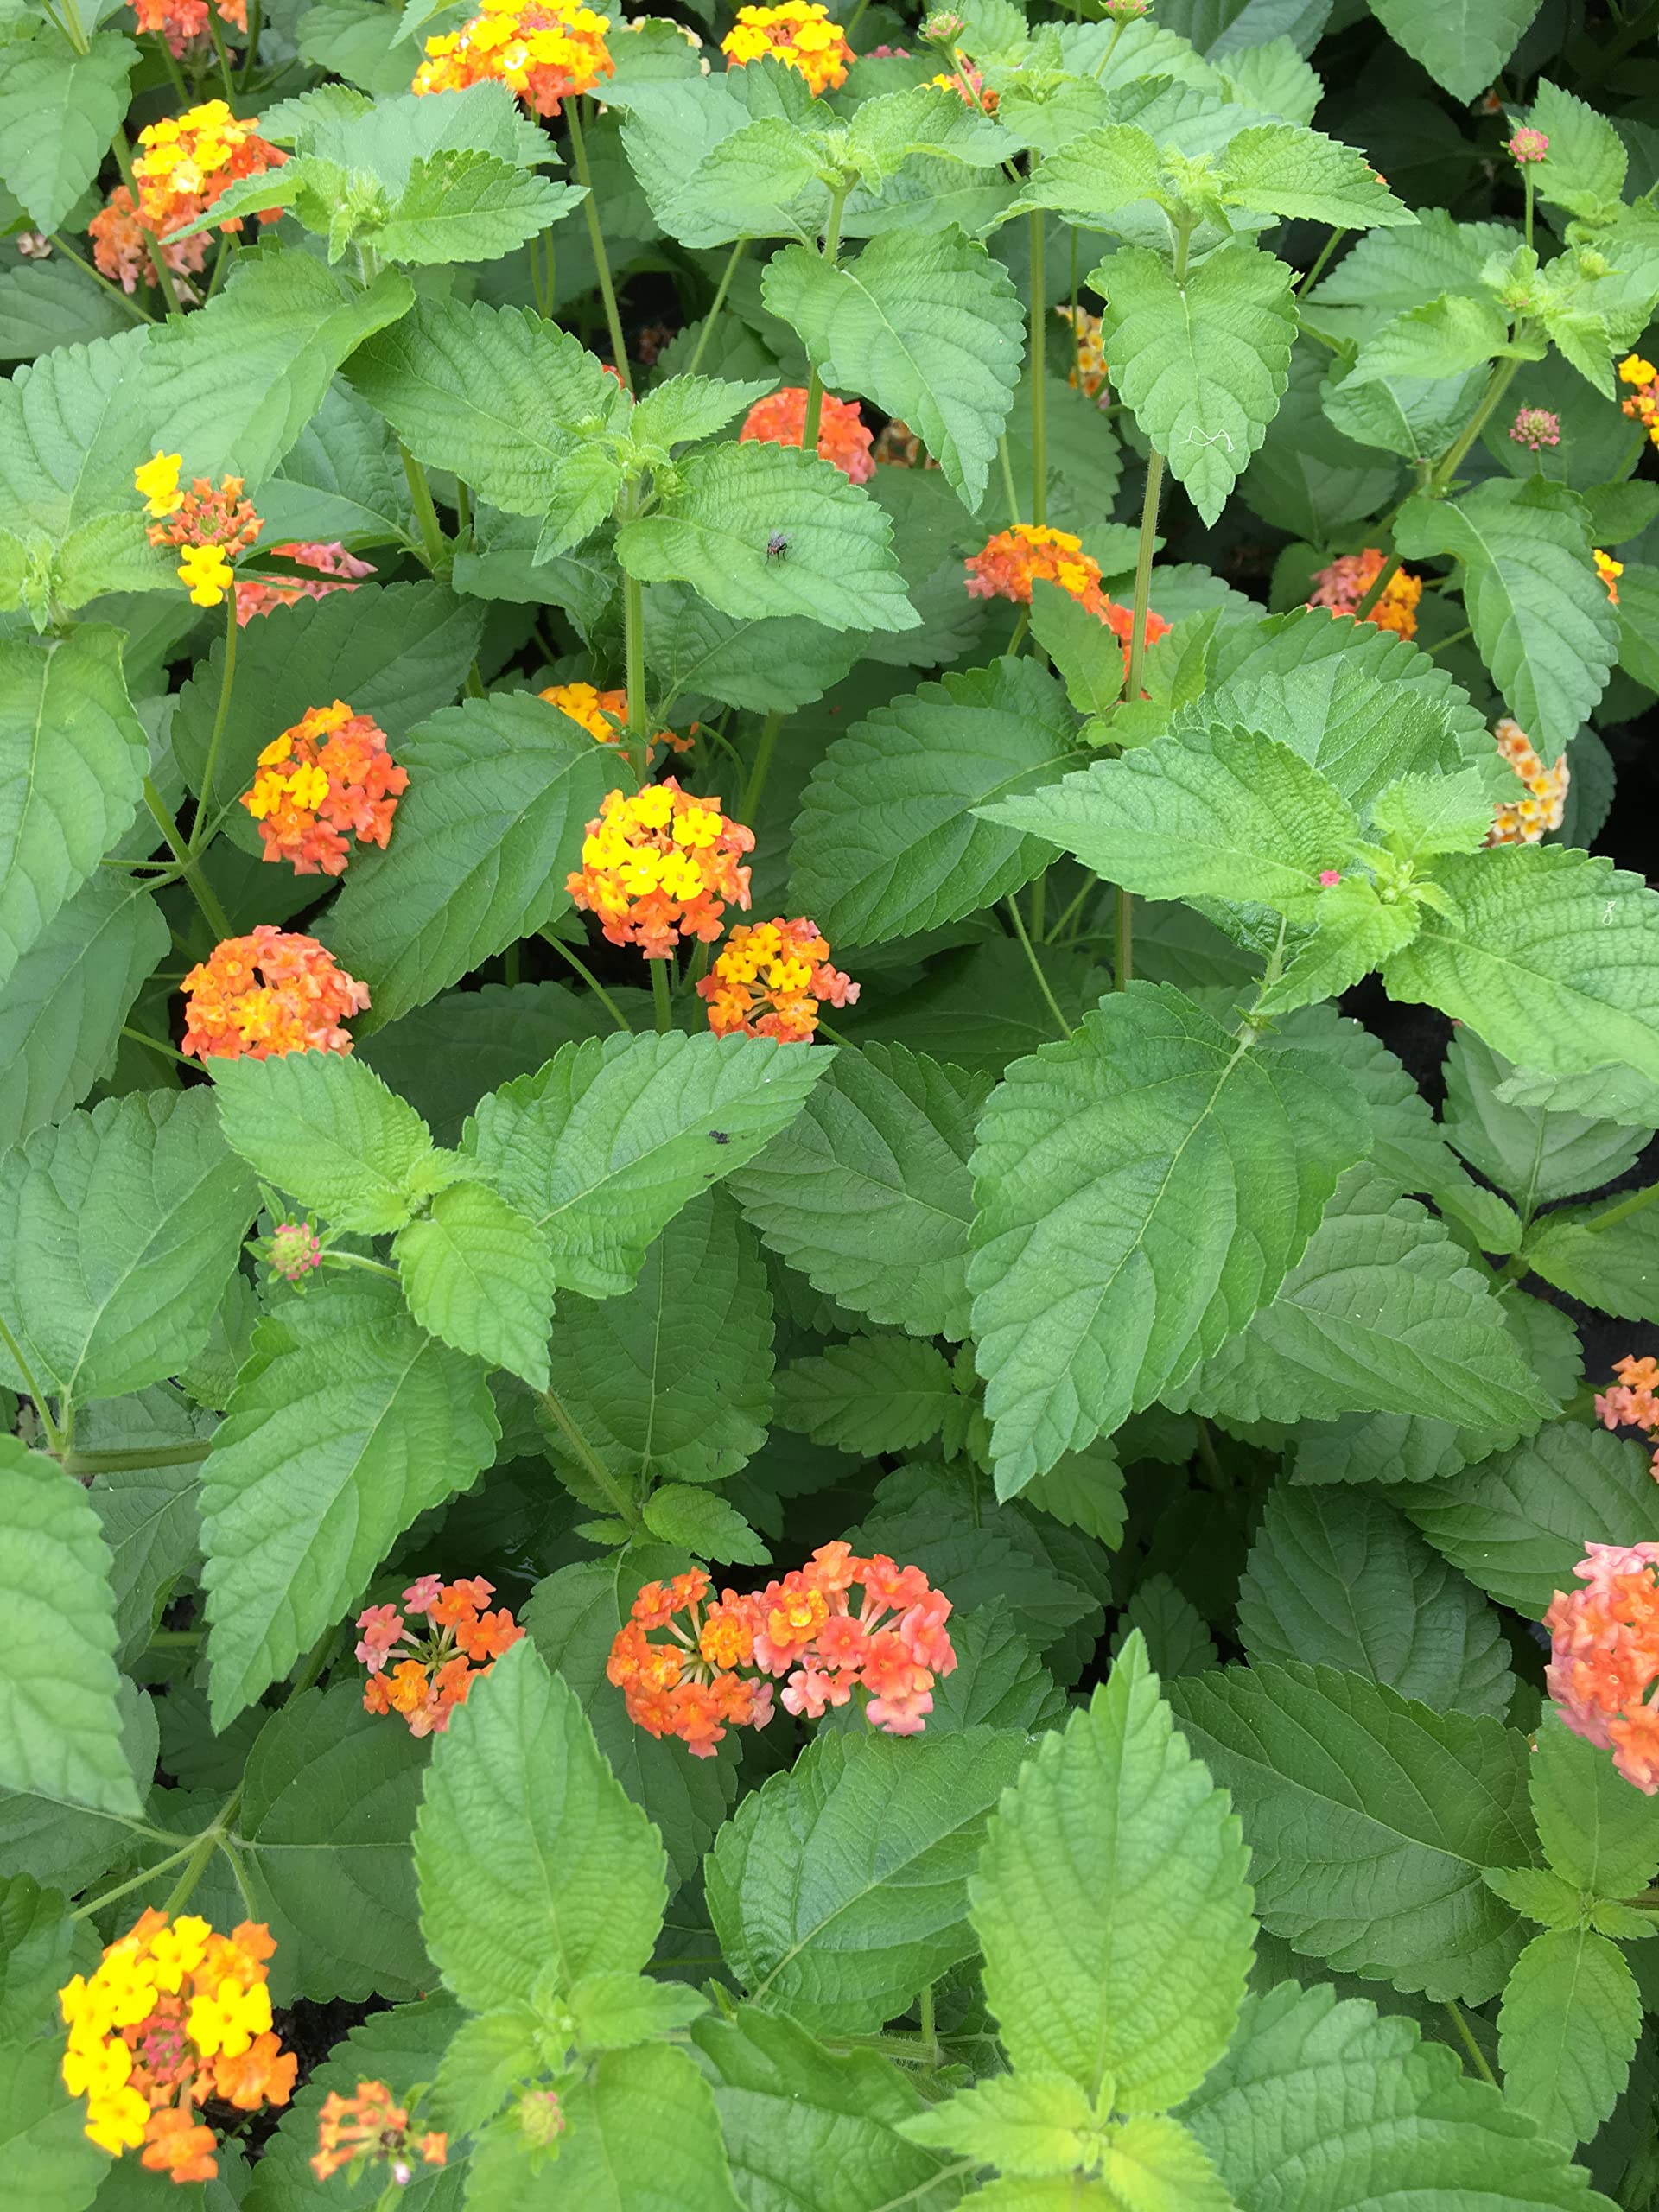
[1606,1657]
[661,865]
[208,527]
[604,716]
[329,775]
[1345,583]
[121,251]
[1088,375]
[800,35]
[780,420]
[333,568]
[267,994]
[368,2125]
[544,52]
[174,2015]
[770,979]
[184,163]
[436,1672]
[180,21]
[1526,821]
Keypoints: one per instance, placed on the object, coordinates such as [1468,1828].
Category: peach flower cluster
[1633,1401]
[692,1687]
[769,982]
[369,2128]
[661,865]
[331,568]
[1343,586]
[800,33]
[1604,1656]
[268,993]
[545,51]
[121,248]
[435,1671]
[780,420]
[180,21]
[329,777]
[1527,820]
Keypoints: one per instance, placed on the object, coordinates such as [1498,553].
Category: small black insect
[777,545]
[719,1137]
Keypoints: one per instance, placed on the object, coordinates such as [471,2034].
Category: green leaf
[672,1381]
[830,1908]
[603,1146]
[892,839]
[1546,955]
[73,760]
[1598,1833]
[1152,1149]
[730,501]
[347,1421]
[1095,175]
[643,2115]
[1424,816]
[688,407]
[1539,611]
[500,790]
[323,1127]
[1028,2123]
[1516,1523]
[147,1514]
[998,1679]
[498,395]
[613,2012]
[44,2151]
[1339,1579]
[1444,338]
[531,1859]
[1463,44]
[1388,271]
[58,110]
[1280,170]
[62,1007]
[925,324]
[40,1947]
[60,1731]
[118,1231]
[1568,2031]
[1112,1903]
[1540,1894]
[1213,813]
[44,304]
[1305,2067]
[464,205]
[1356,929]
[701,1522]
[1370,1820]
[480,1275]
[871,1396]
[868,1191]
[1602,1256]
[1583,168]
[1201,363]
[767,666]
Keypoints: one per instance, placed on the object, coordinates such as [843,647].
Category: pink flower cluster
[1606,1657]
[258,594]
[1633,1401]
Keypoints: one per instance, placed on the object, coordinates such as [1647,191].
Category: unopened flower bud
[942,28]
[541,2118]
[1537,427]
[1125,11]
[295,1249]
[1528,145]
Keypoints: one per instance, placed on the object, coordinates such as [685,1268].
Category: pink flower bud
[1528,145]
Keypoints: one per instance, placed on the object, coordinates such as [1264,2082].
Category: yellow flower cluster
[799,33]
[545,51]
[661,865]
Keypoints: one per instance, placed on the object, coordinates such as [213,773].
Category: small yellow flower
[205,573]
[229,2021]
[158,479]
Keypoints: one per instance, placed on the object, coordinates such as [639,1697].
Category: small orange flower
[604,716]
[968,84]
[329,774]
[799,33]
[266,993]
[780,420]
[1345,583]
[370,2127]
[661,865]
[437,1671]
[174,2145]
[183,164]
[546,51]
[1526,821]
[1008,564]
[770,979]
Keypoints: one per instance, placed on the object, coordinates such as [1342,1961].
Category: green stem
[1385,576]
[1623,1209]
[134,307]
[463,511]
[1123,965]
[1526,179]
[1065,920]
[227,678]
[118,1463]
[435,546]
[1504,375]
[582,1451]
[190,868]
[1051,1002]
[762,768]
[1013,496]
[712,316]
[156,1045]
[1306,283]
[1457,637]
[831,250]
[1111,48]
[661,1002]
[123,153]
[251,57]
[1038,352]
[125,1889]
[361,1261]
[596,237]
[592,981]
[634,649]
[220,54]
[37,1396]
[928,2024]
[174,1639]
[206,1844]
[1145,548]
[1461,2025]
[222,261]
[1022,623]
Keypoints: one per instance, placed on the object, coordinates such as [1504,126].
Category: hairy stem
[762,768]
[1049,998]
[189,867]
[719,302]
[435,546]
[583,1451]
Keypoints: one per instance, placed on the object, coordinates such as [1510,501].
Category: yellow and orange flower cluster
[780,420]
[434,1672]
[1345,583]
[1643,405]
[1610,571]
[769,982]
[544,51]
[1526,821]
[184,163]
[799,33]
[968,84]
[659,866]
[370,2127]
[174,2014]
[208,527]
[266,993]
[1633,1401]
[1088,375]
[330,774]
[180,21]
[333,568]
[894,1647]
[121,251]
[1604,1656]
[1007,565]
[604,716]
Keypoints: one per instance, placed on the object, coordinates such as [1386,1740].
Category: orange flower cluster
[184,163]
[1526,821]
[463,1640]
[121,251]
[329,774]
[333,569]
[1643,405]
[1604,1656]
[208,527]
[1345,583]
[266,993]
[173,2015]
[797,32]
[180,21]
[604,716]
[1089,375]
[968,84]
[1610,571]
[769,980]
[780,420]
[894,1647]
[1007,565]
[1633,1401]
[659,866]
[370,2127]
[545,51]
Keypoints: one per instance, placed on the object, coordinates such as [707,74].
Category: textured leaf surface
[1112,1903]
[1598,1833]
[478,1274]
[1463,44]
[1369,1820]
[58,110]
[1142,1190]
[1283,170]
[323,1127]
[869,1396]
[1533,1153]
[1568,2031]
[347,1421]
[644,2136]
[463,205]
[47,2158]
